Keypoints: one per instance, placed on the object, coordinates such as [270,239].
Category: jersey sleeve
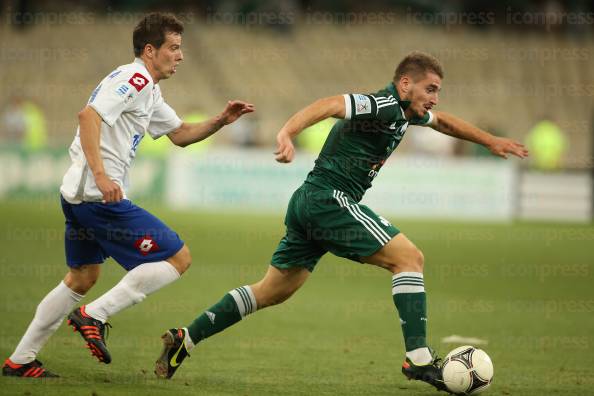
[427,119]
[116,94]
[370,107]
[163,120]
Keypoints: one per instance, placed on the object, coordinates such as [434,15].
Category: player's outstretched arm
[90,138]
[319,110]
[189,133]
[453,126]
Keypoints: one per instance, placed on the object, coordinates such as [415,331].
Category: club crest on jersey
[146,245]
[138,81]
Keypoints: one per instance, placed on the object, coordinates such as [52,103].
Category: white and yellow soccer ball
[467,370]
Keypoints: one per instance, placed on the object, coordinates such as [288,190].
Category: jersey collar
[403,103]
[140,62]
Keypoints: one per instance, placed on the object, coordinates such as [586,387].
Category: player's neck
[408,113]
[151,69]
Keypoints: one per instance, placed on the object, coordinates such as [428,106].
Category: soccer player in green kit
[324,214]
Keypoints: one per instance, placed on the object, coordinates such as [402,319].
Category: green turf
[526,288]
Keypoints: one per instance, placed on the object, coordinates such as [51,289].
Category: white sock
[48,317]
[188,340]
[132,289]
[420,356]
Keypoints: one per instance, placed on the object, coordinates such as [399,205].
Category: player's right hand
[285,151]
[111,190]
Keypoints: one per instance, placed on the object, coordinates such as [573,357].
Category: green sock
[408,292]
[235,305]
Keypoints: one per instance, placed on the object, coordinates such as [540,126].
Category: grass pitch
[525,288]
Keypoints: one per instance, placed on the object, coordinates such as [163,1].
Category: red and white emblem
[138,81]
[145,245]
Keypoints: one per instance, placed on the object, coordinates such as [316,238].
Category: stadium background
[508,243]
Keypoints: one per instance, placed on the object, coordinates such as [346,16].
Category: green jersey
[358,146]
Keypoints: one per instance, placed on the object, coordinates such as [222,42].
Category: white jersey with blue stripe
[129,104]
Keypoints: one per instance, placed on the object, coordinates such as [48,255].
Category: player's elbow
[177,137]
[184,143]
[86,114]
[81,115]
[180,143]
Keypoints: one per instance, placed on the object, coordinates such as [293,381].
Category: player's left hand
[285,151]
[502,147]
[234,110]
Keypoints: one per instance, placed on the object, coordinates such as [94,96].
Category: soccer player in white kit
[100,220]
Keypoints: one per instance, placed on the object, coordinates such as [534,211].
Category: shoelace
[105,330]
[437,362]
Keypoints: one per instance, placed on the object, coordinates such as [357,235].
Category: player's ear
[405,83]
[149,51]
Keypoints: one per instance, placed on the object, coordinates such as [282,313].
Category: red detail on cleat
[405,365]
[37,374]
[12,365]
[180,333]
[96,352]
[83,312]
[29,372]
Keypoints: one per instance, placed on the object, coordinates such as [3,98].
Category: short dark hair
[418,63]
[152,30]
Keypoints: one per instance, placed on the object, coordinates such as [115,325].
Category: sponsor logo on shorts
[146,245]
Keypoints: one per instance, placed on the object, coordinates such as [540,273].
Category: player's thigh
[349,229]
[81,244]
[129,233]
[297,248]
[398,255]
[279,284]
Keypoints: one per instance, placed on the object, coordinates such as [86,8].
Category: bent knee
[80,282]
[419,260]
[182,260]
[413,261]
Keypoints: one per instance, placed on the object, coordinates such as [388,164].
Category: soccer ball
[467,370]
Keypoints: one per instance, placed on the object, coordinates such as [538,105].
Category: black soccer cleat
[429,373]
[173,354]
[32,369]
[92,331]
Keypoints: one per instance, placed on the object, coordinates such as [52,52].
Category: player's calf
[278,285]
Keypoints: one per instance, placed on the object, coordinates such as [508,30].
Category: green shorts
[325,220]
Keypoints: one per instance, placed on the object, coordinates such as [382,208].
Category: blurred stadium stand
[504,77]
[509,71]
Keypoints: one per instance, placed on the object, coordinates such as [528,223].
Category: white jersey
[130,104]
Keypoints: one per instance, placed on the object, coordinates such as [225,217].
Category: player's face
[424,94]
[168,56]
